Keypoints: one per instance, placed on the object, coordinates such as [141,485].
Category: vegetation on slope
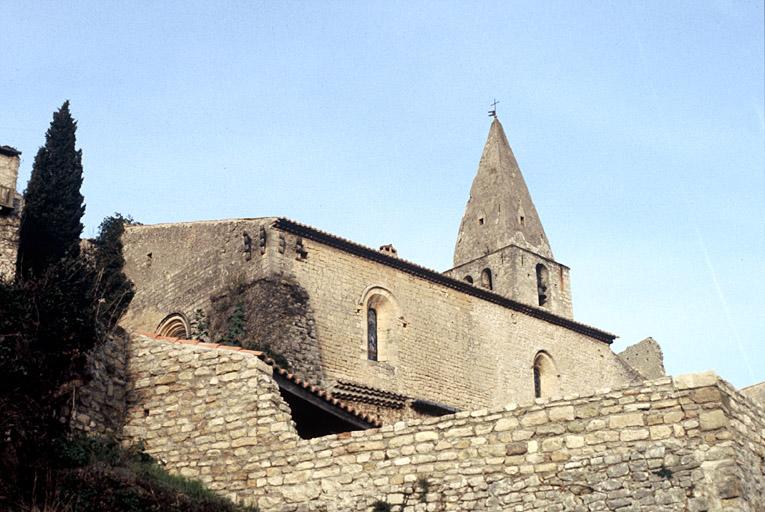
[62,305]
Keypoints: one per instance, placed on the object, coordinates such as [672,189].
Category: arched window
[546,379]
[372,334]
[486,279]
[175,326]
[469,279]
[542,284]
[382,325]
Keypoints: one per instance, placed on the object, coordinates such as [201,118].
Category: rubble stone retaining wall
[98,407]
[688,443]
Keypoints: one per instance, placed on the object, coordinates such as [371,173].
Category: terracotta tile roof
[354,392]
[308,386]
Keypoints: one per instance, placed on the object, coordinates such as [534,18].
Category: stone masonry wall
[665,445]
[688,443]
[276,318]
[443,345]
[10,212]
[514,275]
[201,410]
[177,268]
[9,243]
[99,405]
[646,357]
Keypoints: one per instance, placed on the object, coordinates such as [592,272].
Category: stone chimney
[10,211]
[389,250]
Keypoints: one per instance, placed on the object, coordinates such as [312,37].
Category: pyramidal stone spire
[500,211]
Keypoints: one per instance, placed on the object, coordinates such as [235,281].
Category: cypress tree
[114,289]
[50,221]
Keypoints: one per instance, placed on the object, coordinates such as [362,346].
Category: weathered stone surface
[695,380]
[713,419]
[240,440]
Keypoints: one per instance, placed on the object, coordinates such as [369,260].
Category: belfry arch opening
[174,325]
[546,378]
[543,277]
[486,280]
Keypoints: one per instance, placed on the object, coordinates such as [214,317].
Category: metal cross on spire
[493,111]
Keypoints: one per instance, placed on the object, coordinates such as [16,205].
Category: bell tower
[501,244]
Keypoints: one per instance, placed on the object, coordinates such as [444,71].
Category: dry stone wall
[688,443]
[9,243]
[665,445]
[10,211]
[202,410]
[646,357]
[99,405]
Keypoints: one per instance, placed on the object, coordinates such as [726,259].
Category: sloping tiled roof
[321,393]
[311,233]
[353,392]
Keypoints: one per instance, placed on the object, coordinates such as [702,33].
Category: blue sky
[638,126]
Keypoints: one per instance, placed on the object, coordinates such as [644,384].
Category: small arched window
[174,326]
[469,279]
[486,279]
[372,334]
[546,382]
[542,284]
[382,325]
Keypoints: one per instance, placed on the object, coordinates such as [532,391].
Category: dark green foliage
[95,474]
[424,485]
[381,506]
[235,331]
[115,290]
[664,473]
[47,324]
[200,329]
[53,205]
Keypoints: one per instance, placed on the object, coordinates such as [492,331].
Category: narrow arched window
[372,334]
[486,279]
[542,284]
[469,279]
[546,378]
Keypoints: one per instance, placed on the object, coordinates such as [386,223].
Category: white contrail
[732,331]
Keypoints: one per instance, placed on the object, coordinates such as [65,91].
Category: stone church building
[382,332]
[298,371]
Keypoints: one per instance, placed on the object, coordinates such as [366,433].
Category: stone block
[534,418]
[695,380]
[518,448]
[564,413]
[632,419]
[712,420]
